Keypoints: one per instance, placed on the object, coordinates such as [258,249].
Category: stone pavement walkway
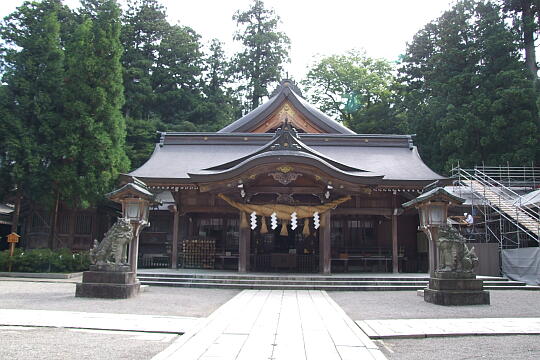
[275,324]
[419,328]
[97,321]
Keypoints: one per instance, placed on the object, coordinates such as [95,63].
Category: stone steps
[302,282]
[282,277]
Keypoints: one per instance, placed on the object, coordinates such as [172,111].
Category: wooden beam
[362,211]
[208,209]
[285,190]
[324,244]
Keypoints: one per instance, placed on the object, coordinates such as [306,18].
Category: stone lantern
[451,263]
[433,210]
[111,274]
[136,200]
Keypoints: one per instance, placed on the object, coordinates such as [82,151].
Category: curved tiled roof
[391,156]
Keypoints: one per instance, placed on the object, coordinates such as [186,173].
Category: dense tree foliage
[466,90]
[33,71]
[94,99]
[63,91]
[144,26]
[357,89]
[170,84]
[264,51]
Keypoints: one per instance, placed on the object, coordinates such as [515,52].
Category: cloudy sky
[315,28]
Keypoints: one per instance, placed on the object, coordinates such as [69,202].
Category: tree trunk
[528,28]
[52,231]
[16,211]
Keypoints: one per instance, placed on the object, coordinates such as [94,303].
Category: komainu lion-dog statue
[113,248]
[454,255]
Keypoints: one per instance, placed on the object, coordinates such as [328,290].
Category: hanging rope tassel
[243,221]
[306,231]
[284,231]
[264,229]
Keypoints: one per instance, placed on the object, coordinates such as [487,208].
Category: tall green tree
[144,27]
[527,16]
[467,93]
[95,56]
[33,60]
[219,106]
[265,50]
[162,77]
[359,90]
[177,74]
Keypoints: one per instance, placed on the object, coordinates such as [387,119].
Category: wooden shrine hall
[285,189]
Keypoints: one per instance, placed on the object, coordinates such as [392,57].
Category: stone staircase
[338,282]
[506,207]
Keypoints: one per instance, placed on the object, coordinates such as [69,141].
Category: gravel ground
[25,343]
[370,305]
[154,301]
[521,347]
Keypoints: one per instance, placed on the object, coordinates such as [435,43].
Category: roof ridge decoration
[286,138]
[287,83]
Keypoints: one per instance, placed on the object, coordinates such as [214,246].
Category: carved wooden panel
[287,111]
[284,178]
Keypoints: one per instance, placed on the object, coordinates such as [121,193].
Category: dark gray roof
[286,91]
[136,187]
[285,147]
[435,193]
[392,156]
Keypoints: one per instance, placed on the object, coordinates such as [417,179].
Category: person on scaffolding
[469,220]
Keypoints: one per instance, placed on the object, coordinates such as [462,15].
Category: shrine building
[285,189]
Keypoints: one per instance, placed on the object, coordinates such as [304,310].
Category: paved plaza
[44,320]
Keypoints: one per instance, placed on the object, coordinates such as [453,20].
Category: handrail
[509,196]
[522,176]
[513,197]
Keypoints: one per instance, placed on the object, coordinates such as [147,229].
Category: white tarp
[522,264]
[529,200]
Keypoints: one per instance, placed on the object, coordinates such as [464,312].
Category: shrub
[44,260]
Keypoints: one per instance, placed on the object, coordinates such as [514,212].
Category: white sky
[315,27]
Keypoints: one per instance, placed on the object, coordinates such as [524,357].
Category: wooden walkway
[275,324]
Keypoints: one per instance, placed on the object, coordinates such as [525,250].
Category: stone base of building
[108,285]
[454,288]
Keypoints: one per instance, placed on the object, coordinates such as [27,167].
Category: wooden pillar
[175,232]
[174,250]
[243,248]
[324,244]
[395,249]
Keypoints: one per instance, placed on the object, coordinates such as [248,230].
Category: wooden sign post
[12,239]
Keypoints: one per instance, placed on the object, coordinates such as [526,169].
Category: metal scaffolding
[496,197]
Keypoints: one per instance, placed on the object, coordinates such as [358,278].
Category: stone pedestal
[108,281]
[456,288]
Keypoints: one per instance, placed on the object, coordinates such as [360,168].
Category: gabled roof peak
[286,100]
[287,84]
